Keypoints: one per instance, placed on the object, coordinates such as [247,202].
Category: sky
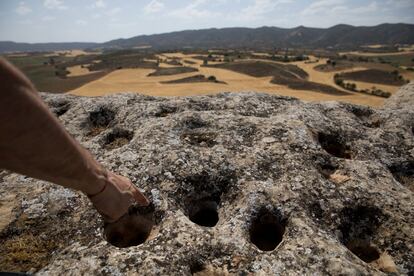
[103,20]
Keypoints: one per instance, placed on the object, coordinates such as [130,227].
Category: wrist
[94,181]
[112,201]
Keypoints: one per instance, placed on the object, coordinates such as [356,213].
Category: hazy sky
[102,20]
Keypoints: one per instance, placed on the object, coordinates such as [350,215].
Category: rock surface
[297,188]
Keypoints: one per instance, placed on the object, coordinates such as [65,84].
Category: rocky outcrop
[242,184]
[404,98]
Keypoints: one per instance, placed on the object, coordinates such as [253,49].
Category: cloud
[48,18]
[154,6]
[26,22]
[54,4]
[401,3]
[23,9]
[331,12]
[100,4]
[259,8]
[113,11]
[81,22]
[194,10]
[336,9]
[322,6]
[372,7]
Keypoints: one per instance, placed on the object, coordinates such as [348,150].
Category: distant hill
[339,37]
[10,46]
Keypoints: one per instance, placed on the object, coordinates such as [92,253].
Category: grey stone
[265,161]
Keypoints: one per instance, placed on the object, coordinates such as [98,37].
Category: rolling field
[50,72]
[184,74]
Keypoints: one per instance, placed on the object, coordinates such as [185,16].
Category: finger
[138,196]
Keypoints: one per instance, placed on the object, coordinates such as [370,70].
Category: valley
[304,74]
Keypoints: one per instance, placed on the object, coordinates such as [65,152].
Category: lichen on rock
[242,183]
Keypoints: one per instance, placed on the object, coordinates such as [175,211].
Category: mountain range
[339,37]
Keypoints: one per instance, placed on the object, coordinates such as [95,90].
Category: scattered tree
[212,78]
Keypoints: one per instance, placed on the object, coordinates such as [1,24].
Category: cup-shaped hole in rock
[59,107]
[266,231]
[200,138]
[196,266]
[101,117]
[130,230]
[118,138]
[404,173]
[99,120]
[204,213]
[327,170]
[333,145]
[364,250]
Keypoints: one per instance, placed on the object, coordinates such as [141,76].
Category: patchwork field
[310,78]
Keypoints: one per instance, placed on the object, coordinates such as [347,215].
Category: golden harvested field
[78,70]
[72,53]
[409,48]
[136,80]
[17,55]
[376,54]
[366,85]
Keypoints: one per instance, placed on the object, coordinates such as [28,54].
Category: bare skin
[33,142]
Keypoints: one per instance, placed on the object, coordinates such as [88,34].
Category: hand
[124,226]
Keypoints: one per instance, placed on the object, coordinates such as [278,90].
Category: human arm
[34,143]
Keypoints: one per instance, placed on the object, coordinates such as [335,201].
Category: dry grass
[25,252]
[117,143]
[408,181]
[96,130]
[7,204]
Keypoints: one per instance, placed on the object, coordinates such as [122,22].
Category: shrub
[380,93]
[352,86]
[339,81]
[212,78]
